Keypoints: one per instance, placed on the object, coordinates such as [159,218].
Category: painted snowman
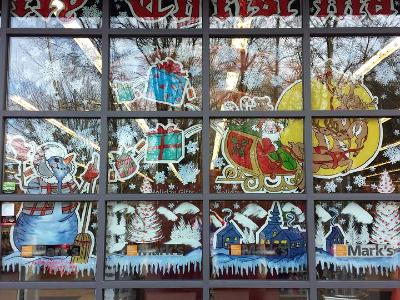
[54,169]
[49,223]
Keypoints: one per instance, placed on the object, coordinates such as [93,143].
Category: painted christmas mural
[154,239]
[49,241]
[51,156]
[358,240]
[156,74]
[258,240]
[154,156]
[156,14]
[254,74]
[56,14]
[257,156]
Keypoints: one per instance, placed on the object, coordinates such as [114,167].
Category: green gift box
[123,93]
[165,145]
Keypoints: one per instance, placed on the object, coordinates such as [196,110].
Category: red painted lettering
[265,7]
[380,7]
[69,10]
[140,9]
[19,8]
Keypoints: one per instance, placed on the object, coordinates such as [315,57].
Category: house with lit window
[334,236]
[285,241]
[230,234]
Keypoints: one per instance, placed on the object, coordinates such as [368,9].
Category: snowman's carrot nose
[68,159]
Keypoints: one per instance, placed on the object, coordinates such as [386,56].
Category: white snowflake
[369,206]
[349,188]
[146,166]
[236,205]
[338,204]
[94,226]
[385,73]
[218,187]
[342,221]
[372,169]
[359,180]
[235,187]
[114,187]
[132,186]
[159,177]
[219,162]
[226,53]
[324,205]
[393,154]
[95,212]
[69,148]
[44,132]
[396,132]
[317,188]
[374,186]
[215,204]
[10,176]
[126,135]
[192,147]
[188,173]
[330,186]
[83,158]
[86,140]
[171,186]
[276,80]
[339,179]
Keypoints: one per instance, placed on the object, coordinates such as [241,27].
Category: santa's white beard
[273,137]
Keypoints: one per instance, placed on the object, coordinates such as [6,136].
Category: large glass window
[199,149]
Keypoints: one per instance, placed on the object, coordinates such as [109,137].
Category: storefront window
[357,240]
[154,156]
[51,156]
[258,240]
[257,156]
[154,240]
[47,241]
[199,149]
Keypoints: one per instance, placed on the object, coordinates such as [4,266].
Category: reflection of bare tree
[68,79]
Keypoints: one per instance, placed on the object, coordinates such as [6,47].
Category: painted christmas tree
[320,241]
[385,184]
[146,187]
[351,233]
[363,237]
[145,225]
[386,226]
[186,234]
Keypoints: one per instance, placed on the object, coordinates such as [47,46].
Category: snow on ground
[51,265]
[382,265]
[156,264]
[223,264]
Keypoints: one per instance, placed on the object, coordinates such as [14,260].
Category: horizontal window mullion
[53,32]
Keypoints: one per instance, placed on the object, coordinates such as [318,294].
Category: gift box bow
[162,130]
[171,66]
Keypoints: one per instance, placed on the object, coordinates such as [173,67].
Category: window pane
[357,73]
[154,156]
[154,240]
[46,241]
[255,14]
[51,156]
[356,155]
[258,240]
[256,156]
[258,294]
[156,14]
[357,293]
[56,14]
[256,74]
[54,74]
[357,240]
[156,74]
[153,294]
[354,13]
[70,294]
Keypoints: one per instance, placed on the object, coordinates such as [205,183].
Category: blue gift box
[166,87]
